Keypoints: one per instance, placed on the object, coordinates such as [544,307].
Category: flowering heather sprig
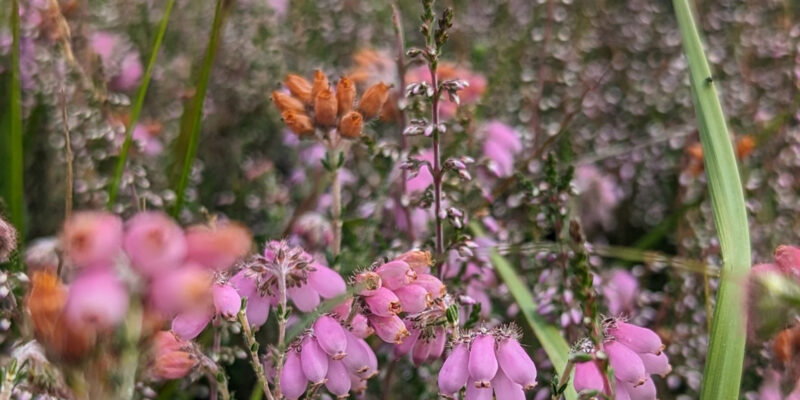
[487,361]
[634,352]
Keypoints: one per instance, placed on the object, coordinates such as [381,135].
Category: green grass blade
[11,149]
[548,335]
[137,106]
[186,145]
[723,368]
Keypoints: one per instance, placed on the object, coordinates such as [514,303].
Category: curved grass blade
[723,368]
[137,106]
[548,335]
[186,145]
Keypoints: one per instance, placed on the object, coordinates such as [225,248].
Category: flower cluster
[328,354]
[487,361]
[319,105]
[635,353]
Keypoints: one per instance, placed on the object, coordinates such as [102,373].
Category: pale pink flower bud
[331,337]
[787,258]
[338,379]
[226,301]
[257,306]
[505,389]
[404,348]
[413,298]
[627,365]
[220,247]
[621,391]
[389,329]
[370,281]
[327,282]
[644,391]
[454,374]
[588,377]
[313,360]
[437,347]
[482,361]
[293,380]
[357,359]
[342,310]
[421,350]
[92,238]
[656,363]
[97,300]
[432,284]
[190,324]
[384,303]
[516,363]
[304,297]
[170,360]
[637,338]
[180,289]
[154,243]
[478,393]
[395,274]
[357,385]
[360,326]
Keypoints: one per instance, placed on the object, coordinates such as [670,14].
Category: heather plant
[464,199]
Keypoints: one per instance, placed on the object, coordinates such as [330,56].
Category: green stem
[130,355]
[723,368]
[137,106]
[252,349]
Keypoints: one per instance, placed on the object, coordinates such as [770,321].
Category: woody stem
[336,205]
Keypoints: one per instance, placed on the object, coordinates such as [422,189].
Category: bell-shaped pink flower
[181,289]
[97,300]
[656,363]
[293,380]
[516,363]
[408,343]
[482,360]
[369,282]
[627,365]
[331,337]
[504,388]
[338,379]
[413,298]
[92,239]
[389,329]
[384,303]
[154,243]
[438,344]
[432,284]
[342,310]
[357,385]
[170,359]
[357,360]
[188,325]
[637,338]
[258,306]
[478,393]
[218,248]
[454,373]
[645,391]
[327,282]
[396,274]
[420,261]
[313,360]
[421,350]
[588,377]
[305,298]
[787,258]
[226,301]
[360,326]
[621,291]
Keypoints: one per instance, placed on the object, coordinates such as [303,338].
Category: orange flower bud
[787,344]
[373,99]
[351,124]
[345,95]
[171,358]
[325,108]
[745,146]
[299,87]
[420,261]
[298,123]
[320,83]
[284,102]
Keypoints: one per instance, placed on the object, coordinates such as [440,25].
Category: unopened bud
[345,95]
[351,125]
[299,87]
[325,107]
[298,123]
[373,99]
[320,83]
[285,102]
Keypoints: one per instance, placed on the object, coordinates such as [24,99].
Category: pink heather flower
[396,274]
[599,196]
[628,366]
[454,374]
[504,388]
[103,44]
[327,282]
[92,238]
[469,95]
[482,360]
[421,350]
[516,363]
[383,303]
[424,178]
[226,301]
[645,391]
[293,380]
[637,338]
[657,364]
[147,139]
[154,243]
[621,291]
[218,248]
[370,283]
[97,300]
[314,360]
[389,329]
[331,337]
[499,147]
[438,344]
[338,379]
[588,377]
[413,298]
[258,305]
[420,261]
[408,344]
[478,393]
[189,324]
[360,326]
[305,298]
[357,385]
[787,258]
[170,359]
[432,284]
[181,289]
[358,359]
[130,72]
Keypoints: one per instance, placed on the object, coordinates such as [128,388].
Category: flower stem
[252,348]
[564,378]
[336,204]
[281,327]
[437,169]
[130,355]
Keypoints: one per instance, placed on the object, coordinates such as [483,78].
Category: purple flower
[482,360]
[338,379]
[620,291]
[257,304]
[413,298]
[331,337]
[293,380]
[389,329]
[383,303]
[516,363]
[314,360]
[504,388]
[500,147]
[396,274]
[454,373]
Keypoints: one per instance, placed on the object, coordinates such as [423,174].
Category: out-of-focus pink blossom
[621,290]
[447,71]
[154,243]
[501,144]
[171,360]
[218,248]
[97,301]
[92,239]
[146,138]
[181,289]
[599,197]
